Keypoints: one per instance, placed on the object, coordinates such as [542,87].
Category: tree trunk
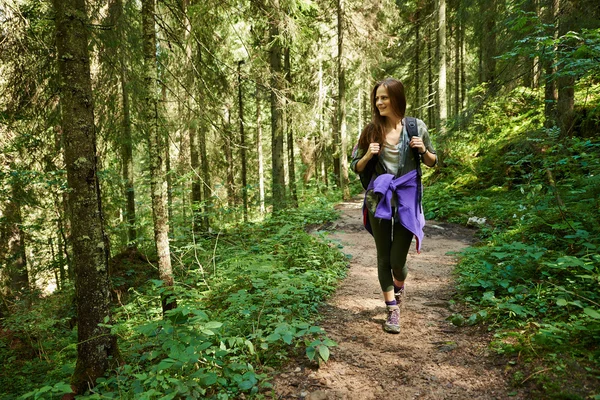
[95,344]
[430,92]
[443,104]
[278,172]
[227,148]
[457,31]
[342,103]
[417,66]
[116,18]
[290,132]
[550,93]
[565,84]
[156,149]
[488,42]
[14,278]
[242,144]
[259,153]
[207,192]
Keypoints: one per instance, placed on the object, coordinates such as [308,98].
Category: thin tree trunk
[126,139]
[342,103]
[259,153]
[417,79]
[207,189]
[242,144]
[156,148]
[278,172]
[457,30]
[565,83]
[14,278]
[550,92]
[430,93]
[227,147]
[488,41]
[290,132]
[443,105]
[95,344]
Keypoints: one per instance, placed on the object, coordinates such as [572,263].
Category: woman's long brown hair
[374,132]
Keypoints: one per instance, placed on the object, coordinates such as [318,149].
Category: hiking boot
[392,324]
[399,295]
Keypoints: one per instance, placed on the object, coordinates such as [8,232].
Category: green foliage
[247,299]
[535,274]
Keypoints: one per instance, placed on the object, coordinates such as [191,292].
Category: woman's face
[382,102]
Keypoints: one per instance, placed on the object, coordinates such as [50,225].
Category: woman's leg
[398,254]
[382,233]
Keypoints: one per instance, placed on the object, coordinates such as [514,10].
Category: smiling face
[388,100]
[383,103]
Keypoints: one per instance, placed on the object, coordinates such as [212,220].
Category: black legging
[391,254]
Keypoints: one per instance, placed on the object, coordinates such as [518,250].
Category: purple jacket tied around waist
[408,209]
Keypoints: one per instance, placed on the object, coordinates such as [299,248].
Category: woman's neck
[393,122]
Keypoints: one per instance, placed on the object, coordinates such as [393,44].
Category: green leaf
[310,353]
[208,379]
[273,337]
[246,385]
[591,312]
[213,325]
[561,302]
[287,338]
[165,364]
[324,353]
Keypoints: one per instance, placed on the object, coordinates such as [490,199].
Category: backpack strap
[413,130]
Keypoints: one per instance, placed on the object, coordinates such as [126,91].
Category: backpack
[367,174]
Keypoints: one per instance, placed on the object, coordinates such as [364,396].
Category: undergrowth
[534,277]
[246,301]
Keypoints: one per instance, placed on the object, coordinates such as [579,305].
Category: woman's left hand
[417,143]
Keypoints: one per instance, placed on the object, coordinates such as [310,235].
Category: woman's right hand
[372,150]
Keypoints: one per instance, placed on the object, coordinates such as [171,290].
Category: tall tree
[341,102]
[259,152]
[278,171]
[156,150]
[550,93]
[290,130]
[118,21]
[565,82]
[243,160]
[14,277]
[442,46]
[95,344]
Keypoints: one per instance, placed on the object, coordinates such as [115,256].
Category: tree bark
[565,83]
[95,344]
[488,42]
[242,144]
[443,102]
[290,132]
[14,278]
[278,172]
[227,137]
[116,18]
[550,93]
[430,92]
[156,149]
[259,153]
[342,103]
[417,58]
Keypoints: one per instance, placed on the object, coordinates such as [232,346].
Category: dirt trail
[429,359]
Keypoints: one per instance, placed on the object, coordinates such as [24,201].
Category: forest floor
[429,359]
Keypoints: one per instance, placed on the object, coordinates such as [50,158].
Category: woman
[393,198]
